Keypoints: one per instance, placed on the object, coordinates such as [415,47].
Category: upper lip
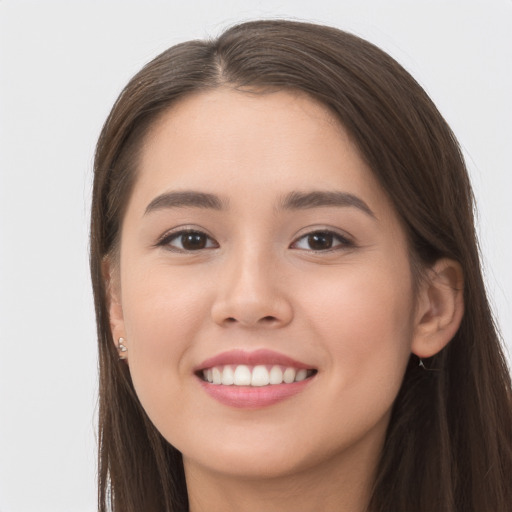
[255,357]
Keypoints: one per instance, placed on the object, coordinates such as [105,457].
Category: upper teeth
[260,375]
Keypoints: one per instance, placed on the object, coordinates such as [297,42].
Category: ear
[110,272]
[440,308]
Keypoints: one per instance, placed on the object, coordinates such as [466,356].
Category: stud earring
[121,348]
[421,365]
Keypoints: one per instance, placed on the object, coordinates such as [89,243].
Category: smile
[256,376]
[252,380]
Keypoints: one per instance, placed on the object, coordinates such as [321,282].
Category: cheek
[365,321]
[361,323]
[164,314]
[161,304]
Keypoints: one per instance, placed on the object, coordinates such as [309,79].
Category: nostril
[269,319]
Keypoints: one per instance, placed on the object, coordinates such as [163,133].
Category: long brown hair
[449,441]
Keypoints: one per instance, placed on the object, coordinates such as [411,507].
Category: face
[258,252]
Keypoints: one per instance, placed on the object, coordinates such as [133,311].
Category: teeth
[276,375]
[301,375]
[260,376]
[256,376]
[228,377]
[242,375]
[217,376]
[289,375]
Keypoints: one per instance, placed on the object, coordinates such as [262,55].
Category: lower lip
[249,397]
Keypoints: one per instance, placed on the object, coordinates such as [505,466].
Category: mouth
[253,380]
[259,375]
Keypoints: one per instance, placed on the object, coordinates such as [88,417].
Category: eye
[321,241]
[188,240]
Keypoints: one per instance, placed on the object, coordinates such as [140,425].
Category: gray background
[62,64]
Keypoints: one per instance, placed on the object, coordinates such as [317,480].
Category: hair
[449,441]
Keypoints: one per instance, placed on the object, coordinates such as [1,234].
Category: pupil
[193,241]
[318,241]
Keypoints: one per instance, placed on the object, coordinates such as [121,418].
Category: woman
[291,313]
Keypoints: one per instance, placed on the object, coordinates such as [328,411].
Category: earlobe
[113,298]
[440,308]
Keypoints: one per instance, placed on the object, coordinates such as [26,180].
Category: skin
[349,312]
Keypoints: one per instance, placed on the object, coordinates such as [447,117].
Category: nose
[251,294]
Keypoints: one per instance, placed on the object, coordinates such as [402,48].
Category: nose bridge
[251,272]
[250,292]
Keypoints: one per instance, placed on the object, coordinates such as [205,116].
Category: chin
[252,464]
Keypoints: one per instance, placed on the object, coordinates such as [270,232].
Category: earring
[421,365]
[121,348]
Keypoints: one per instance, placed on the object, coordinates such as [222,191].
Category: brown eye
[185,241]
[193,241]
[322,241]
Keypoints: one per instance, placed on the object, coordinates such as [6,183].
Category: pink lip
[248,397]
[262,356]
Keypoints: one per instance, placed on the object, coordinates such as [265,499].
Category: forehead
[235,122]
[231,142]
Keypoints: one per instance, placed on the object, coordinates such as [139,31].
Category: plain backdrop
[62,64]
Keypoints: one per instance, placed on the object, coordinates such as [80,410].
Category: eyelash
[343,242]
[166,240]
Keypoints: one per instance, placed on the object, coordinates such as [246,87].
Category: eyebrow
[320,198]
[186,199]
[293,201]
